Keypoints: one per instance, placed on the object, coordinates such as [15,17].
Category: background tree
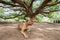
[31,8]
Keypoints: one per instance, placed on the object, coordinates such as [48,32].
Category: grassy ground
[39,31]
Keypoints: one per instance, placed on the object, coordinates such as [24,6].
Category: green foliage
[1,11]
[7,0]
[36,4]
[54,1]
[27,1]
[54,15]
[40,18]
[54,7]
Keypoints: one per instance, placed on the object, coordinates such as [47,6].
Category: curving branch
[39,10]
[21,3]
[31,3]
[27,9]
[14,5]
[30,7]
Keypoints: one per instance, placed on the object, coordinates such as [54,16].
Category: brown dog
[24,26]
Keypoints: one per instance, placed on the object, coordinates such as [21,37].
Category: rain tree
[29,8]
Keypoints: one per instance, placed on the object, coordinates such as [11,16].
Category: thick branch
[53,4]
[21,3]
[41,7]
[31,3]
[30,7]
[28,10]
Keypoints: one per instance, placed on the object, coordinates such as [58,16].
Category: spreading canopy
[28,6]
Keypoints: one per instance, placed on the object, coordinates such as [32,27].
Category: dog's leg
[23,33]
[24,27]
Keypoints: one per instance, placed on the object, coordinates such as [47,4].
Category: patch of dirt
[39,31]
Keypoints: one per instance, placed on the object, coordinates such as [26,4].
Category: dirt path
[39,31]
